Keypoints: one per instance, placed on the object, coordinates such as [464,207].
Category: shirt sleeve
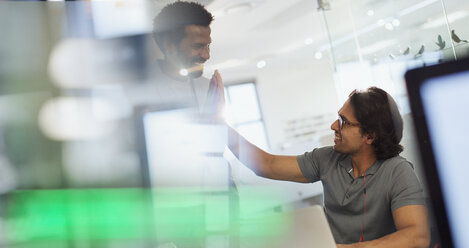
[406,189]
[309,165]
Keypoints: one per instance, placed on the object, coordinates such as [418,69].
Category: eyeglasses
[343,123]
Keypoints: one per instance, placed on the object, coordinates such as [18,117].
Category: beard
[196,69]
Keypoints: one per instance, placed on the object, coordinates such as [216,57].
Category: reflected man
[182,32]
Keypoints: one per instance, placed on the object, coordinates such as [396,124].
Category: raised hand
[215,102]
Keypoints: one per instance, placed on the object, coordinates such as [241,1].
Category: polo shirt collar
[346,163]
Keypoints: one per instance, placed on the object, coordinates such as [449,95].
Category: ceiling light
[318,55]
[261,64]
[240,7]
[389,26]
[370,12]
[309,41]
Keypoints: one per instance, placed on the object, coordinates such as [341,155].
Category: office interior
[71,172]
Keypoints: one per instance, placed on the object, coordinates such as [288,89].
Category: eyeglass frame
[345,122]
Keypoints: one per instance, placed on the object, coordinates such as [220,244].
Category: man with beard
[372,197]
[182,32]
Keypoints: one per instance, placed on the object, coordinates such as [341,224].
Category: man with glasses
[372,197]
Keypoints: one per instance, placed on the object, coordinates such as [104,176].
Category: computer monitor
[177,149]
[438,100]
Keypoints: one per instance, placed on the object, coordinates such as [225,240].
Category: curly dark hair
[378,115]
[170,23]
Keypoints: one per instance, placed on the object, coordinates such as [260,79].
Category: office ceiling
[247,31]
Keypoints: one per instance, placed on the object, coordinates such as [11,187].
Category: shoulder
[316,163]
[397,163]
[398,169]
[325,154]
[328,151]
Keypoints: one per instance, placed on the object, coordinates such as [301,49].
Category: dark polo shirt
[390,184]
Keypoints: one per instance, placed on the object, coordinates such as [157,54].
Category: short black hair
[379,115]
[170,23]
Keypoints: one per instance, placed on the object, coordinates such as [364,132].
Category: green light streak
[172,214]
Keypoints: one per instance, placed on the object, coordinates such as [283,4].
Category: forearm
[250,155]
[408,237]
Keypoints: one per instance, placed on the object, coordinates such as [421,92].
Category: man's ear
[370,138]
[169,47]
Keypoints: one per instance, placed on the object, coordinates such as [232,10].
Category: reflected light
[231,63]
[370,12]
[73,118]
[227,115]
[183,72]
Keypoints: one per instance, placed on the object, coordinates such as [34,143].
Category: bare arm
[262,163]
[412,230]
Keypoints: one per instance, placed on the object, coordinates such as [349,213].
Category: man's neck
[362,161]
[171,71]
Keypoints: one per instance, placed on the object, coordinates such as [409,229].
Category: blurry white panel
[76,118]
[255,133]
[183,153]
[350,76]
[120,18]
[244,105]
[216,173]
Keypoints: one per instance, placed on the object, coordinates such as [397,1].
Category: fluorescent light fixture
[239,7]
[452,17]
[416,7]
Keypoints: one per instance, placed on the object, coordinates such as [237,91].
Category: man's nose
[205,53]
[335,125]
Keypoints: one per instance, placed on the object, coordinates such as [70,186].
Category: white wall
[287,91]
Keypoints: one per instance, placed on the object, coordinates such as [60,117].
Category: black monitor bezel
[415,79]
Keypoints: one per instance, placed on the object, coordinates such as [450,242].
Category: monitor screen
[180,151]
[445,105]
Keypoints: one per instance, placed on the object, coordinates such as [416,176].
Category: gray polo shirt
[390,184]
